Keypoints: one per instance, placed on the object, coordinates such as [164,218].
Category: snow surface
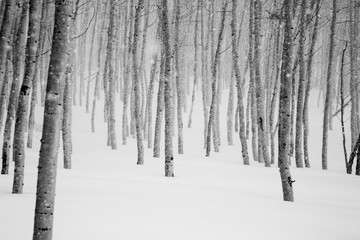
[107,196]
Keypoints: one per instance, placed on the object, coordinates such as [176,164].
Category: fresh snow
[107,196]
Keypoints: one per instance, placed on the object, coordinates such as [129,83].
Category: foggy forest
[179,119]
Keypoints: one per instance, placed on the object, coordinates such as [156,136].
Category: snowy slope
[107,196]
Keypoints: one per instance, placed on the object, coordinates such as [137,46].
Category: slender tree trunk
[169,165]
[235,57]
[5,91]
[204,78]
[308,85]
[328,88]
[125,127]
[261,121]
[284,108]
[99,63]
[22,109]
[91,54]
[18,56]
[46,183]
[230,111]
[110,76]
[300,97]
[342,104]
[5,36]
[67,120]
[36,78]
[212,116]
[177,77]
[160,107]
[199,2]
[252,100]
[149,100]
[354,118]
[136,82]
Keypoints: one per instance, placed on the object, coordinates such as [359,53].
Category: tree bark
[169,165]
[178,80]
[235,57]
[199,2]
[136,82]
[300,97]
[284,108]
[308,84]
[214,66]
[22,109]
[110,76]
[46,181]
[328,88]
[261,121]
[18,56]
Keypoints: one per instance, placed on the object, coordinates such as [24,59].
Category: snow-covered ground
[107,196]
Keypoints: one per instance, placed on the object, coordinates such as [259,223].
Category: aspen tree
[199,4]
[101,34]
[214,66]
[22,108]
[125,124]
[36,80]
[354,117]
[5,35]
[18,56]
[328,88]
[109,77]
[160,105]
[284,108]
[150,93]
[136,82]
[178,81]
[300,97]
[91,54]
[235,57]
[251,98]
[261,120]
[46,180]
[169,158]
[308,83]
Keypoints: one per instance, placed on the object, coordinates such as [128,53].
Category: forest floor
[107,196]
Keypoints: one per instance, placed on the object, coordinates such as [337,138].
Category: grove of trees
[152,59]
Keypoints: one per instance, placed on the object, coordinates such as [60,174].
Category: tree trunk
[354,117]
[199,2]
[150,94]
[46,181]
[36,78]
[261,121]
[177,78]
[169,165]
[252,100]
[136,82]
[160,107]
[125,127]
[18,56]
[235,57]
[22,109]
[5,36]
[300,98]
[67,120]
[308,85]
[284,108]
[328,88]
[110,77]
[212,116]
